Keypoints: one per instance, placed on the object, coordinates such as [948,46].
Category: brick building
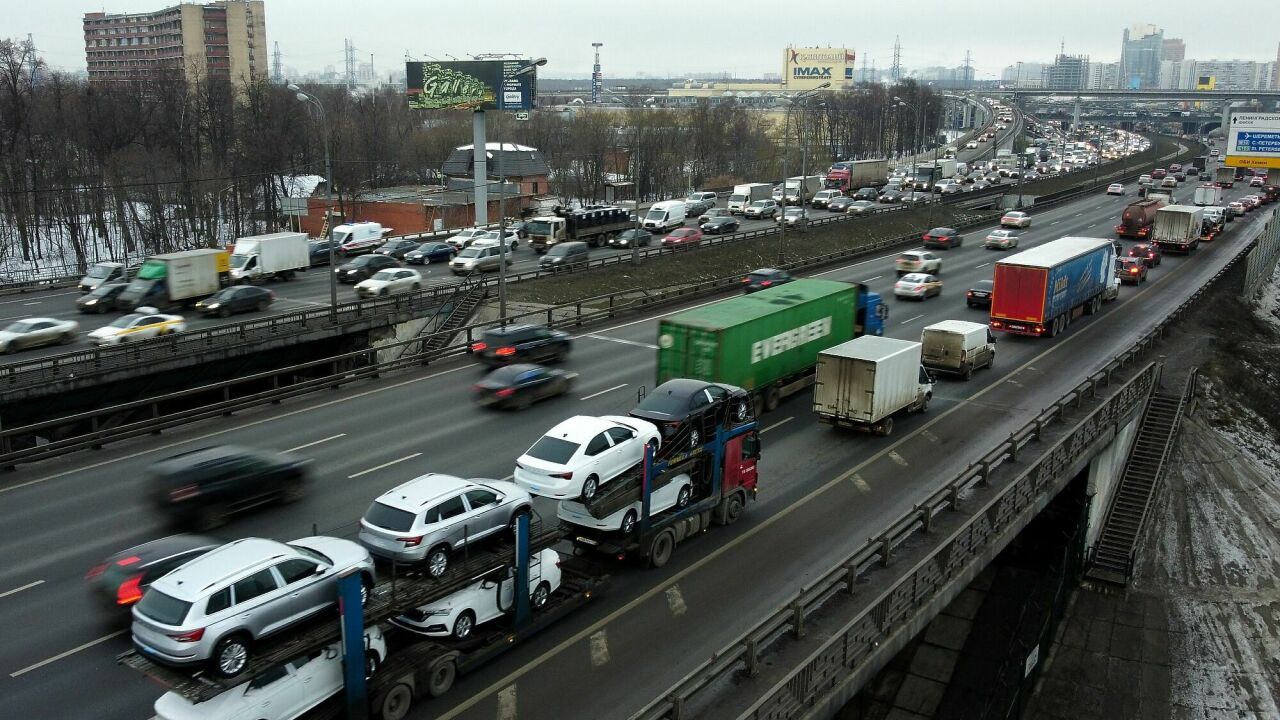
[224,39]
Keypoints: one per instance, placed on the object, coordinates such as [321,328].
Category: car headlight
[91,301]
[213,306]
[436,613]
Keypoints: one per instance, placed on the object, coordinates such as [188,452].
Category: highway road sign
[1253,140]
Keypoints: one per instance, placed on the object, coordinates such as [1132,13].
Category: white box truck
[1208,194]
[957,347]
[744,195]
[665,215]
[1177,228]
[862,383]
[807,185]
[946,169]
[175,279]
[278,255]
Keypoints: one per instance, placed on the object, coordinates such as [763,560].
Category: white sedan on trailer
[675,494]
[582,453]
[458,614]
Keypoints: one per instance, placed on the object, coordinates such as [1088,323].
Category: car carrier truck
[767,342]
[1038,292]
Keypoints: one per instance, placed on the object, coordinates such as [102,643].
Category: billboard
[1206,82]
[1253,140]
[807,68]
[470,85]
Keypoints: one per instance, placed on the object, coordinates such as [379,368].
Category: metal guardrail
[104,359]
[878,621]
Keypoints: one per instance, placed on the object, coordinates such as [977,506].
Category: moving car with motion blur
[101,299]
[522,384]
[37,332]
[119,581]
[521,343]
[143,324]
[765,278]
[205,487]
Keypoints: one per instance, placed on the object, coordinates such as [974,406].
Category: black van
[565,255]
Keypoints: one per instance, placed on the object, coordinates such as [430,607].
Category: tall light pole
[304,96]
[915,150]
[786,123]
[502,207]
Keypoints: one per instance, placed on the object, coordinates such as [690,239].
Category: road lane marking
[1055,222]
[904,322]
[242,426]
[929,436]
[38,302]
[874,278]
[507,703]
[383,465]
[14,302]
[778,424]
[894,456]
[675,601]
[59,656]
[648,346]
[859,483]
[599,648]
[315,442]
[975,267]
[598,394]
[17,590]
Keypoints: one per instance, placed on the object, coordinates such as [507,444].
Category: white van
[664,216]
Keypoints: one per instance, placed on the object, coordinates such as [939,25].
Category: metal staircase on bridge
[461,305]
[1113,557]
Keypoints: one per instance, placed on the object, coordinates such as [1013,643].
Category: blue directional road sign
[1257,142]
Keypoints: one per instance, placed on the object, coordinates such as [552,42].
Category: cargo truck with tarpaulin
[1038,292]
[767,342]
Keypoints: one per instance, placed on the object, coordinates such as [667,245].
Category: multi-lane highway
[62,516]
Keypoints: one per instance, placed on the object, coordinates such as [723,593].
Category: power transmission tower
[968,70]
[895,70]
[277,74]
[597,78]
[350,57]
[865,76]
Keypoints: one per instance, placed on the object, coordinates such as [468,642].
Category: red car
[683,236]
[1159,174]
[1149,254]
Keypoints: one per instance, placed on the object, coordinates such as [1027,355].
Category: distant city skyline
[311,39]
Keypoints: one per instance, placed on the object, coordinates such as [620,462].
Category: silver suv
[478,259]
[429,517]
[216,606]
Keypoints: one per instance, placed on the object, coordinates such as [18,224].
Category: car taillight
[505,351]
[506,392]
[95,571]
[192,636]
[130,591]
[1133,271]
[766,283]
[563,476]
[969,294]
[746,280]
[186,492]
[409,542]
[478,346]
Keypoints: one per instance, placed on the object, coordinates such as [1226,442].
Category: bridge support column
[1075,116]
[1226,121]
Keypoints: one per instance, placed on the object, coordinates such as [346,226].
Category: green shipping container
[756,339]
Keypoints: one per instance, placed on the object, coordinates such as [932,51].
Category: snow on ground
[300,186]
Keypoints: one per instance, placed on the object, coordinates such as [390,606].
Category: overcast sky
[677,37]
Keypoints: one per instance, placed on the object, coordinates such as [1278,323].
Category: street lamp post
[502,214]
[304,96]
[782,220]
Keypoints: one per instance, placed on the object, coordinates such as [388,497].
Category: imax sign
[813,72]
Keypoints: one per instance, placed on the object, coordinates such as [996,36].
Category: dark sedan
[714,213]
[363,267]
[764,278]
[521,343]
[692,409]
[432,252]
[319,251]
[979,296]
[840,204]
[397,248]
[720,225]
[1149,254]
[204,487]
[120,580]
[101,299]
[627,238]
[890,197]
[521,385]
[943,237]
[236,299]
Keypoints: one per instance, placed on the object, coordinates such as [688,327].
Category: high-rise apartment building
[1103,76]
[1173,50]
[1023,74]
[1068,72]
[1232,74]
[224,39]
[1275,71]
[1140,54]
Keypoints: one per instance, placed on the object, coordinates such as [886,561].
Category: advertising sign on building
[807,68]
[1253,140]
[470,85]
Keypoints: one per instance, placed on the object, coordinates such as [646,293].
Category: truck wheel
[771,398]
[441,678]
[885,428]
[732,508]
[991,361]
[757,404]
[967,373]
[396,703]
[661,548]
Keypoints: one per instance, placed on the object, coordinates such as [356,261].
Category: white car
[460,613]
[917,261]
[1002,239]
[1115,189]
[918,286]
[971,145]
[389,282]
[464,237]
[489,238]
[583,453]
[675,494]
[281,692]
[34,332]
[1015,219]
[146,322]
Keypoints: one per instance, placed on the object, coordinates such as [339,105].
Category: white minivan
[664,216]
